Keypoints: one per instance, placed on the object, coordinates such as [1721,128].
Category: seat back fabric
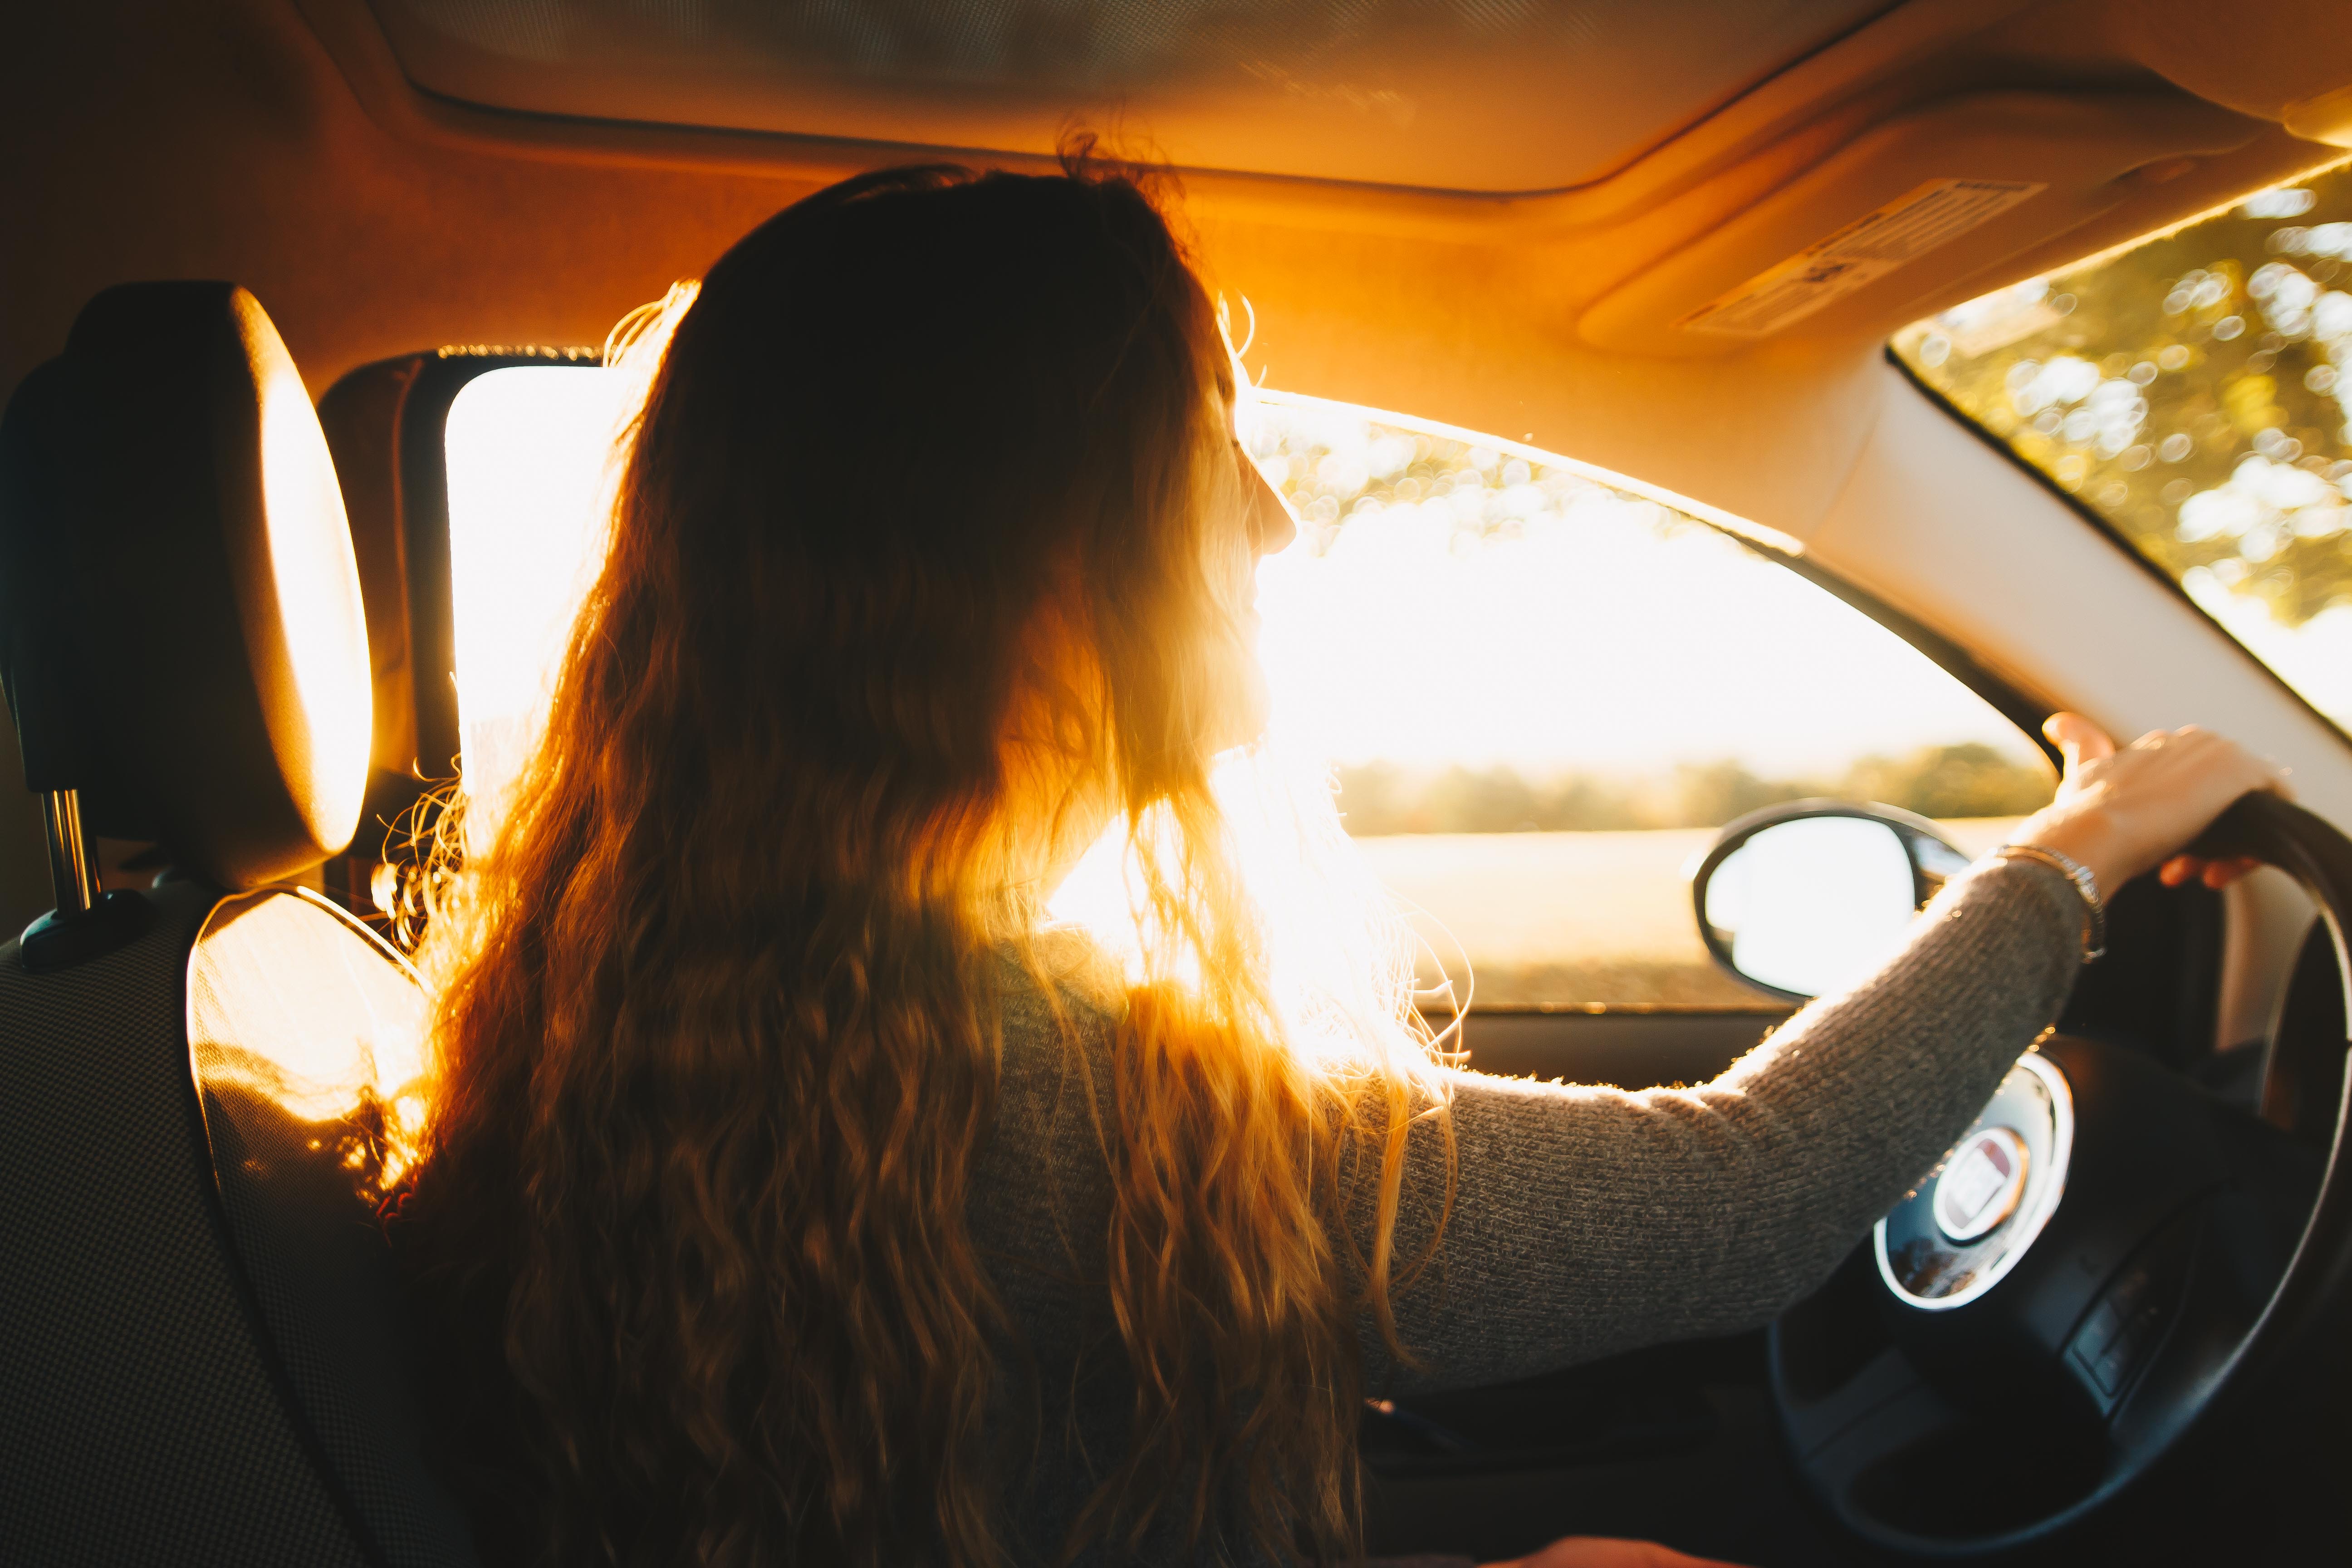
[142,1416]
[305,1030]
[202,1359]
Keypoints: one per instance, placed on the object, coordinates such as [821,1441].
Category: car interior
[257,251]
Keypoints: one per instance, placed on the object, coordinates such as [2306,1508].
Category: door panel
[1627,1047]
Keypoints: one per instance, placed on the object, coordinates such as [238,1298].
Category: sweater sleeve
[1587,1221]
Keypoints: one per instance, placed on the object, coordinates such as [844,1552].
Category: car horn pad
[2107,1253]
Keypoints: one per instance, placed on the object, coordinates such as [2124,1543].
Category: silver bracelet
[2095,922]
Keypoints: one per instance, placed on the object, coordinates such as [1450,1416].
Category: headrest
[181,631]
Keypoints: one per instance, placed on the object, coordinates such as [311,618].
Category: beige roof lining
[279,144]
[1441,94]
[1834,81]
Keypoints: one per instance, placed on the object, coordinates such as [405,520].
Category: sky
[1596,639]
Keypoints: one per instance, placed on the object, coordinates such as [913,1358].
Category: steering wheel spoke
[2135,1316]
[1884,1409]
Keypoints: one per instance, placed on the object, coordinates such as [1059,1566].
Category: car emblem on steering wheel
[1980,1185]
[1968,1224]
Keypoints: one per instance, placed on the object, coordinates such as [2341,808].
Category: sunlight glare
[1598,635]
[1340,955]
[531,450]
[316,588]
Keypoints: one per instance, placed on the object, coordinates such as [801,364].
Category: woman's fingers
[2077,739]
[2217,874]
[2122,811]
[1608,1551]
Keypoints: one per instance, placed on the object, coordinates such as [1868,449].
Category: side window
[529,448]
[2193,390]
[1540,694]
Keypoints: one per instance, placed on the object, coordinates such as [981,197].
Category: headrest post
[87,923]
[71,872]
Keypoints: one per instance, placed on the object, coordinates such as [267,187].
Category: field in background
[1575,919]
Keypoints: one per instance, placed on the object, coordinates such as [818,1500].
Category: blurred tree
[1497,800]
[1367,799]
[2191,389]
[1581,803]
[1972,780]
[1711,795]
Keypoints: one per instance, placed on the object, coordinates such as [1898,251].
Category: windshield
[2192,390]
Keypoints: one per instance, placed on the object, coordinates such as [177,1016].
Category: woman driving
[795,1191]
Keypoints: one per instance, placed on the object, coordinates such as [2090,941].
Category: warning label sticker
[1861,252]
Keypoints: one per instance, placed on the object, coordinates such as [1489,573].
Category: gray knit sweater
[1585,1220]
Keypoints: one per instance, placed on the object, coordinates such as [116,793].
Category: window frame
[422,445]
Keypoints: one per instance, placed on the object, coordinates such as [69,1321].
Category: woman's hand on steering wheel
[1609,1552]
[2121,811]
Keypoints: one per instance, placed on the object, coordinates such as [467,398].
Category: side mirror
[1803,899]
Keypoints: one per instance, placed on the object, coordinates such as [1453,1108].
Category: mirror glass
[1812,905]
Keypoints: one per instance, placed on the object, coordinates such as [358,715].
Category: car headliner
[281,144]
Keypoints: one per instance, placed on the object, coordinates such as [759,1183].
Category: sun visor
[184,641]
[1906,211]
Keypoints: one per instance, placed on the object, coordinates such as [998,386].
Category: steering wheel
[2109,1254]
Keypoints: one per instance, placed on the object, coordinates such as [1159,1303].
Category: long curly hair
[926,566]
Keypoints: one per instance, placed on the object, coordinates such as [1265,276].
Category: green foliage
[2191,389]
[1971,780]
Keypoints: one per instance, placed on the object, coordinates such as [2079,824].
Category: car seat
[201,1355]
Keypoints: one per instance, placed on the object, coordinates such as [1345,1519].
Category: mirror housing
[1801,899]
